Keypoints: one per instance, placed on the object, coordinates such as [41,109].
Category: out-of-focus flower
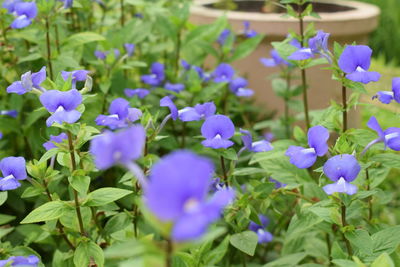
[249,33]
[25,12]
[129,49]
[198,112]
[172,198]
[12,113]
[67,3]
[21,261]
[390,137]
[263,235]
[174,87]
[387,96]
[223,37]
[55,139]
[139,92]
[238,86]
[167,102]
[275,60]
[157,75]
[258,146]
[223,73]
[100,54]
[76,76]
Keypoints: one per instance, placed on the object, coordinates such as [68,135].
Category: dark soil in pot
[260,7]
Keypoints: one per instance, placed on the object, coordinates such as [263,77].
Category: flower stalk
[344,103]
[224,172]
[344,224]
[49,48]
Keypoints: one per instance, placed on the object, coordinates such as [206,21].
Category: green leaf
[47,212]
[82,38]
[123,250]
[383,260]
[344,263]
[361,241]
[245,241]
[386,240]
[3,197]
[216,254]
[388,159]
[88,252]
[80,183]
[246,47]
[103,196]
[118,222]
[4,218]
[287,260]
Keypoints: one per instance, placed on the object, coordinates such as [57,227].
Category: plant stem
[329,247]
[369,199]
[183,140]
[168,252]
[177,53]
[48,48]
[224,173]
[344,102]
[344,224]
[59,225]
[303,71]
[121,2]
[77,205]
[57,39]
[286,114]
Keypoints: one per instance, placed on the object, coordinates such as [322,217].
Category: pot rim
[359,11]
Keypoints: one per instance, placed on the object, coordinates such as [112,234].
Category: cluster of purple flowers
[238,86]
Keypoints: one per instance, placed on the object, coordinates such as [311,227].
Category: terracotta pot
[352,22]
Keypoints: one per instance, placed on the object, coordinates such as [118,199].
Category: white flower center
[190,205]
[359,69]
[391,136]
[60,108]
[387,93]
[308,151]
[218,136]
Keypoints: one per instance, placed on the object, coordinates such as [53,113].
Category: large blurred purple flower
[238,86]
[21,261]
[217,130]
[76,76]
[390,137]
[55,139]
[258,146]
[25,12]
[10,5]
[387,96]
[28,82]
[341,169]
[166,101]
[122,147]
[13,170]
[139,92]
[157,75]
[263,235]
[198,112]
[355,62]
[174,87]
[249,33]
[223,73]
[305,157]
[62,105]
[178,193]
[275,60]
[121,115]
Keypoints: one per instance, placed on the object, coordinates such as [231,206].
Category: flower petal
[317,139]
[364,76]
[340,186]
[342,166]
[301,157]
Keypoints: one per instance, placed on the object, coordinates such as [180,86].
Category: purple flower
[25,12]
[238,87]
[269,136]
[139,15]
[117,53]
[12,113]
[217,185]
[62,105]
[111,148]
[259,146]
[10,5]
[121,115]
[355,61]
[341,169]
[67,3]
[180,195]
[390,137]
[130,49]
[202,74]
[263,235]
[28,82]
[166,101]
[198,112]
[100,54]
[319,43]
[302,54]
[174,87]
[76,76]
[249,33]
[185,65]
[387,96]
[277,183]
[275,59]
[139,92]
[31,261]
[305,157]
[157,75]
[55,139]
[217,130]
[223,37]
[13,170]
[223,73]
